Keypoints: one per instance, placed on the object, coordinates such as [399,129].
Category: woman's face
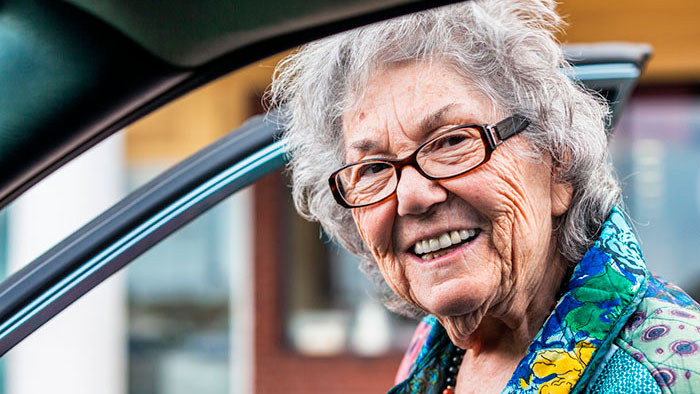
[506,207]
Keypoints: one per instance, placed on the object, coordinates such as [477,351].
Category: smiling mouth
[432,248]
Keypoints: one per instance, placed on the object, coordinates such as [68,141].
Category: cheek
[375,225]
[513,195]
[522,225]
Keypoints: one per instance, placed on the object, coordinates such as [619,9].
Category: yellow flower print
[567,366]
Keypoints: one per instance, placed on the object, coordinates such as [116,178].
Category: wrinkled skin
[492,294]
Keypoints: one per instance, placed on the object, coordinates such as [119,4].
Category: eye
[372,169]
[456,140]
[451,140]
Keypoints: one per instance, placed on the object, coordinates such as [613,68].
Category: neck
[510,325]
[500,340]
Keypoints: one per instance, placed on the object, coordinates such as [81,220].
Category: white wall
[83,349]
[239,255]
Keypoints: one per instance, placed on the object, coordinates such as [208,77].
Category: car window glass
[174,321]
[215,306]
[330,308]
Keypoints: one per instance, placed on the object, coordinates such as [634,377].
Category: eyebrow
[429,123]
[435,119]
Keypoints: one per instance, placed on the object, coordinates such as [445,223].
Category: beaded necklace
[455,360]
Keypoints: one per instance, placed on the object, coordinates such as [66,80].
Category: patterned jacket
[616,329]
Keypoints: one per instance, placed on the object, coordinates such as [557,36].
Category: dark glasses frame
[492,136]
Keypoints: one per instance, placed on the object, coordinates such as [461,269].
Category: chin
[456,298]
[460,327]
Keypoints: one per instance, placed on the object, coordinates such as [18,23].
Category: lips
[431,248]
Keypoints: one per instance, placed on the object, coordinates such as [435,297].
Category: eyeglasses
[452,153]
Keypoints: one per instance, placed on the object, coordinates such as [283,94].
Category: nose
[416,194]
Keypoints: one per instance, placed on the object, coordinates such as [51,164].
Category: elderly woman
[471,175]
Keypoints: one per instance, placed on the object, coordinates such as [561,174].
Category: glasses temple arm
[510,126]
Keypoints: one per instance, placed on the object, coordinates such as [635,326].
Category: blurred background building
[249,298]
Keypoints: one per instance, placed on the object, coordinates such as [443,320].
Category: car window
[330,308]
[183,317]
[175,321]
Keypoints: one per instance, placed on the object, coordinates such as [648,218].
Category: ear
[560,195]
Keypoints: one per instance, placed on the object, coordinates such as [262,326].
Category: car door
[80,262]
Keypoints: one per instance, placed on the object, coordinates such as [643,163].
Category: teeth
[418,249]
[445,241]
[430,256]
[434,244]
[454,237]
[426,246]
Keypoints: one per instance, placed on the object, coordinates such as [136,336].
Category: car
[77,72]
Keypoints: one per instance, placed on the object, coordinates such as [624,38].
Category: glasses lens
[365,183]
[452,153]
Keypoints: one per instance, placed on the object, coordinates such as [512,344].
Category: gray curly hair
[507,50]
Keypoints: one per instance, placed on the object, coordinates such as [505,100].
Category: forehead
[398,103]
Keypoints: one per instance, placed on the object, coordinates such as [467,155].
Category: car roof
[74,72]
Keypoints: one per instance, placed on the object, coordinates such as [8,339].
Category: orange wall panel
[672,27]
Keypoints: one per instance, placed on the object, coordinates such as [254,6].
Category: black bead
[456,360]
[452,369]
[450,381]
